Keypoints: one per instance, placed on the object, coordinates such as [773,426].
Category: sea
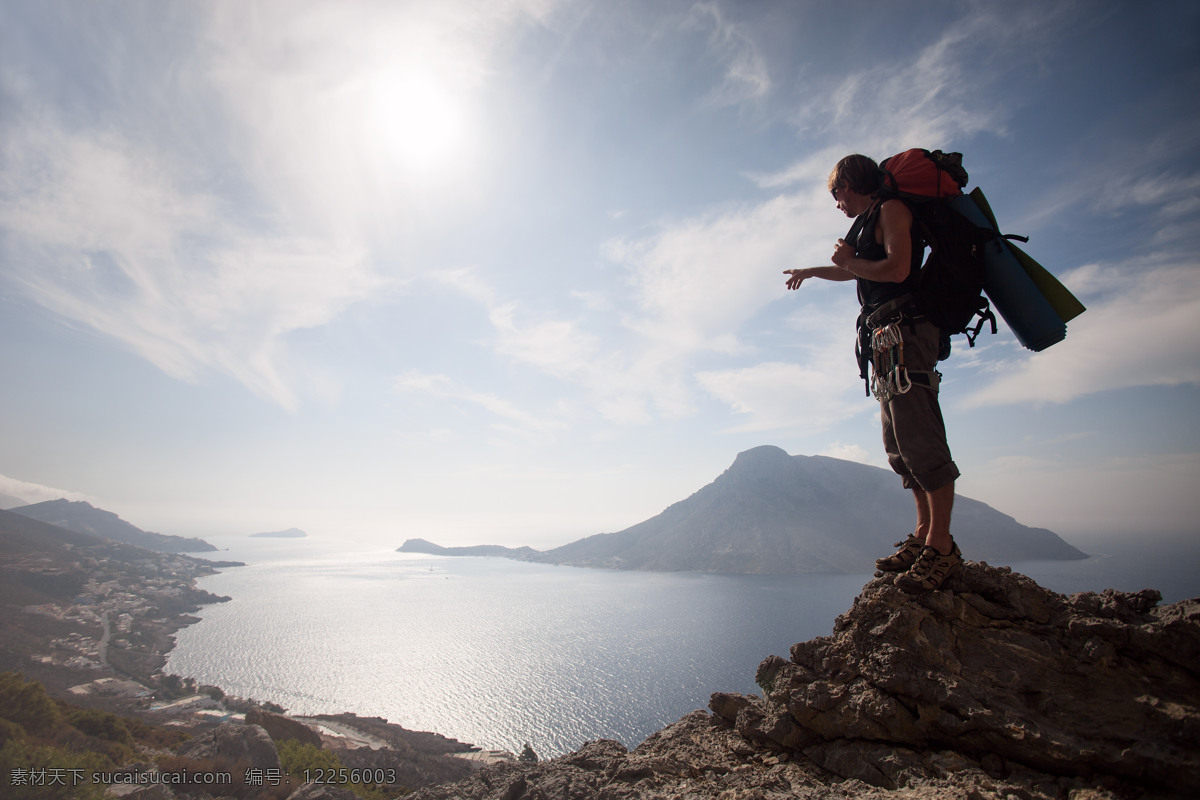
[501,653]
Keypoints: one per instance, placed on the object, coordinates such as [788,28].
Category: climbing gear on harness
[889,377]
[880,351]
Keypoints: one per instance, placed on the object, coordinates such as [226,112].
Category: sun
[418,121]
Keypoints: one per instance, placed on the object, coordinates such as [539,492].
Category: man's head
[853,182]
[858,173]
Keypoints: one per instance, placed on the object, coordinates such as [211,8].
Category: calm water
[499,653]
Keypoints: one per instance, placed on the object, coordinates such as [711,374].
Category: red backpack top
[924,173]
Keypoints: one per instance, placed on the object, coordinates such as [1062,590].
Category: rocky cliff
[992,688]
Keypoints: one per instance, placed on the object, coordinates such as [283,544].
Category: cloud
[624,383]
[443,387]
[31,493]
[853,452]
[1138,331]
[202,213]
[108,233]
[787,396]
[746,77]
[697,281]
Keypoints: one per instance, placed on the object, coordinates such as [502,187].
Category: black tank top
[872,294]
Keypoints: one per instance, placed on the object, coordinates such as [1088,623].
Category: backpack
[950,283]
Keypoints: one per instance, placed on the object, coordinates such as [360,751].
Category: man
[884,258]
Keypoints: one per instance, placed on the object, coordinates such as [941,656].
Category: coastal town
[90,621]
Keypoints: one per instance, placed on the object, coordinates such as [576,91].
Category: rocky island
[774,513]
[290,533]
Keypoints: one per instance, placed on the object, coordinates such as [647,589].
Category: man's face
[850,202]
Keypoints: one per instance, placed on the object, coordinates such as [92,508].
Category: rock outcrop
[233,745]
[991,688]
[1000,670]
[281,728]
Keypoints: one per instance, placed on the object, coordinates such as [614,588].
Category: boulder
[230,743]
[281,728]
[317,791]
[998,669]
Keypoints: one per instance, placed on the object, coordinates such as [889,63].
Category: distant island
[290,533]
[773,513]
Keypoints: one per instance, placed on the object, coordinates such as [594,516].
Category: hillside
[773,513]
[83,517]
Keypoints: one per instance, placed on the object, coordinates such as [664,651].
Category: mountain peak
[771,512]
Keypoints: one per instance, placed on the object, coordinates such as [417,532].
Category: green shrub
[296,758]
[48,773]
[10,731]
[27,704]
[101,724]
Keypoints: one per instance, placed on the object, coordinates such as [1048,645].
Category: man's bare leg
[933,516]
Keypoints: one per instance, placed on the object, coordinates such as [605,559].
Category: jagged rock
[320,791]
[992,689]
[995,667]
[699,758]
[281,728]
[233,744]
[133,792]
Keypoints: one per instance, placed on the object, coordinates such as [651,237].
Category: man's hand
[842,254]
[799,276]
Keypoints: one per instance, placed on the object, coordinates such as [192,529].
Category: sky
[510,271]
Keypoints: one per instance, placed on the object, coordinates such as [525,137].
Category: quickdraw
[889,376]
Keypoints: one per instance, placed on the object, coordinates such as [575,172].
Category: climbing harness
[880,352]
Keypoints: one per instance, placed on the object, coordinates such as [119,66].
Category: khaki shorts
[914,433]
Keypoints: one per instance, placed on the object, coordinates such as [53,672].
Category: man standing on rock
[884,258]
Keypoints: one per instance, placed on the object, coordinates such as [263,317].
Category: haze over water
[498,653]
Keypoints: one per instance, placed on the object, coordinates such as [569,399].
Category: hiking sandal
[902,559]
[930,570]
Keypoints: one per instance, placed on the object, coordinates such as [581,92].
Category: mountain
[290,533]
[8,501]
[83,517]
[772,513]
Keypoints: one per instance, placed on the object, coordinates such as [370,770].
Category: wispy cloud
[625,386]
[1140,330]
[746,76]
[107,233]
[698,280]
[785,396]
[512,417]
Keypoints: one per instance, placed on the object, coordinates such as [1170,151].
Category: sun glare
[420,124]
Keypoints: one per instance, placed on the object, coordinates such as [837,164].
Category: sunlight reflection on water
[498,653]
